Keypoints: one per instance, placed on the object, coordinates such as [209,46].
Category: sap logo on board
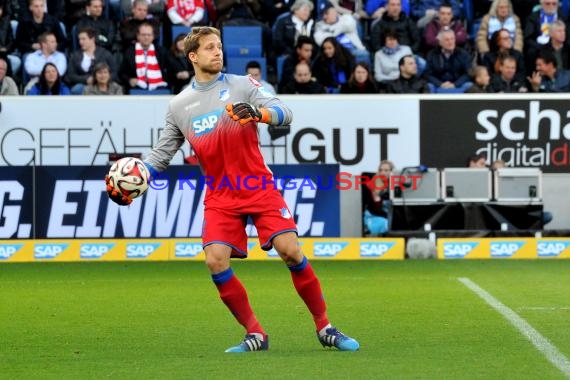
[458,250]
[94,250]
[376,249]
[205,123]
[8,250]
[505,248]
[188,249]
[328,249]
[551,248]
[141,250]
[48,250]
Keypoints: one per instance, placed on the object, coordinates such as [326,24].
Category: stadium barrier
[96,250]
[504,248]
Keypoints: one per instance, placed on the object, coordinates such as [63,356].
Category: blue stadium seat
[179,29]
[242,41]
[158,91]
[176,30]
[280,61]
[74,40]
[236,65]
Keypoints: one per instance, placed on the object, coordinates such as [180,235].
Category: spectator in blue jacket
[448,66]
[548,77]
[50,83]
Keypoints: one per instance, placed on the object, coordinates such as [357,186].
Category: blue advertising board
[70,202]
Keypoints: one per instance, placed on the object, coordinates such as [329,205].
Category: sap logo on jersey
[141,250]
[94,251]
[206,123]
[328,249]
[376,249]
[48,251]
[188,249]
[505,248]
[458,250]
[8,250]
[552,248]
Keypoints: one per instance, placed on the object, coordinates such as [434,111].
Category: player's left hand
[244,112]
[114,195]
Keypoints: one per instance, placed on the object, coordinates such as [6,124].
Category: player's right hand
[114,195]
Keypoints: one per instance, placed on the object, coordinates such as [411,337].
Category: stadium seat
[280,61]
[175,30]
[242,41]
[236,65]
[74,40]
[158,91]
[179,29]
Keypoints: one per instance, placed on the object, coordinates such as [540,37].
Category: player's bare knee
[216,264]
[291,255]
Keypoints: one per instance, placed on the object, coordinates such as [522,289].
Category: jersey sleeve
[171,139]
[259,96]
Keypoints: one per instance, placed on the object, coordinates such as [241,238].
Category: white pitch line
[540,342]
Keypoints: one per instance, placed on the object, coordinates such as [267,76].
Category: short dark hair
[303,40]
[91,33]
[252,65]
[392,33]
[402,60]
[547,55]
[476,157]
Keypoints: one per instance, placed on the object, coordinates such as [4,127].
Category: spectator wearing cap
[344,29]
[287,29]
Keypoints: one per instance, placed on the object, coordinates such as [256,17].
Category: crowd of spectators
[111,47]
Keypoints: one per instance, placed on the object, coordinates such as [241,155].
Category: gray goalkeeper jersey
[198,115]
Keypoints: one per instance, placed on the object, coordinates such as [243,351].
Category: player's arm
[261,106]
[171,139]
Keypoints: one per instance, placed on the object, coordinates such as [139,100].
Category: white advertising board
[354,131]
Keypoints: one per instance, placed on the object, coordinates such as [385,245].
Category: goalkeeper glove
[115,195]
[246,112]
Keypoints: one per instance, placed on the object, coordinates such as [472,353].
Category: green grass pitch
[414,320]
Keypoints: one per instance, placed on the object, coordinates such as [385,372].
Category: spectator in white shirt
[35,62]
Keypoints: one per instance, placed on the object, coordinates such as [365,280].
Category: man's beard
[210,69]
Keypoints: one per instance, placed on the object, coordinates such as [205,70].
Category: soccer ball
[129,176]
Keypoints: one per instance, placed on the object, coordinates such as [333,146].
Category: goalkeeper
[218,115]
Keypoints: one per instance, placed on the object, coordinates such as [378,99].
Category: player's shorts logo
[285,214]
